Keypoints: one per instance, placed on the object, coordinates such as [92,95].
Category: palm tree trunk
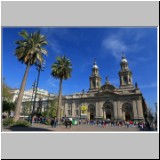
[20,96]
[59,101]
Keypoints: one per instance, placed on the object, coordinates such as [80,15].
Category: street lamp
[40,67]
[48,101]
[81,102]
[33,86]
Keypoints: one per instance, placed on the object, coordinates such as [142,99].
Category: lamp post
[81,102]
[80,106]
[33,86]
[48,101]
[40,67]
[80,112]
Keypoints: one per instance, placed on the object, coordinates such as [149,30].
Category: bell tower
[125,74]
[95,79]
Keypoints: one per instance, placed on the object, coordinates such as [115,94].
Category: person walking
[66,123]
[70,123]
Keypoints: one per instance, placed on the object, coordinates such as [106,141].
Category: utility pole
[40,67]
[33,86]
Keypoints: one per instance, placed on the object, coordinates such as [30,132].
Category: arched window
[127,112]
[125,80]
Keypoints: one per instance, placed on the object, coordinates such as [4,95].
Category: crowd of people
[99,123]
[119,123]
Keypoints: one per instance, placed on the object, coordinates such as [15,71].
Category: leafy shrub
[21,123]
[45,114]
[47,122]
[8,122]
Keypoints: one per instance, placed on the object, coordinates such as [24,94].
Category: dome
[95,65]
[108,87]
[124,60]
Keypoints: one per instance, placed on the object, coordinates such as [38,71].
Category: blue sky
[81,46]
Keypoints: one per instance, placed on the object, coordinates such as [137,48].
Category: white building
[29,96]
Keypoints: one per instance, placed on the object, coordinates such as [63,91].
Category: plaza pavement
[75,128]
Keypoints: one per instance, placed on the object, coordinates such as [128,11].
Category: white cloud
[117,43]
[51,35]
[55,31]
[55,47]
[152,85]
[144,59]
[134,34]
[53,82]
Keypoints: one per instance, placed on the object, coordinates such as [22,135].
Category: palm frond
[62,68]
[30,49]
[24,34]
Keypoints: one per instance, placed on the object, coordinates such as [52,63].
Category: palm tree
[61,69]
[29,51]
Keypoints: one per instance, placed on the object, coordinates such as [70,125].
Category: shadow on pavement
[27,129]
[147,129]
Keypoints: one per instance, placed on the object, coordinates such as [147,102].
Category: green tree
[8,105]
[39,108]
[6,94]
[150,115]
[26,108]
[61,70]
[53,108]
[30,51]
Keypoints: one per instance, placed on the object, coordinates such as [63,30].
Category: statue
[136,85]
[107,81]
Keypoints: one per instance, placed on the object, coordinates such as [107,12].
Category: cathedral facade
[106,101]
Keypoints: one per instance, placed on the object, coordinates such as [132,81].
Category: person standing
[55,122]
[52,122]
[70,123]
[33,119]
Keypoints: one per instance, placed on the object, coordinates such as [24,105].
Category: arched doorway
[108,111]
[92,116]
[127,112]
[91,112]
[127,116]
[108,115]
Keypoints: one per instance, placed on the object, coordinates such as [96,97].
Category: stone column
[140,110]
[101,109]
[119,107]
[124,117]
[88,113]
[128,79]
[73,109]
[131,81]
[135,116]
[65,109]
[121,81]
[104,112]
[97,109]
[115,109]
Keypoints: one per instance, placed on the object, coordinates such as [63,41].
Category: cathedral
[106,101]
